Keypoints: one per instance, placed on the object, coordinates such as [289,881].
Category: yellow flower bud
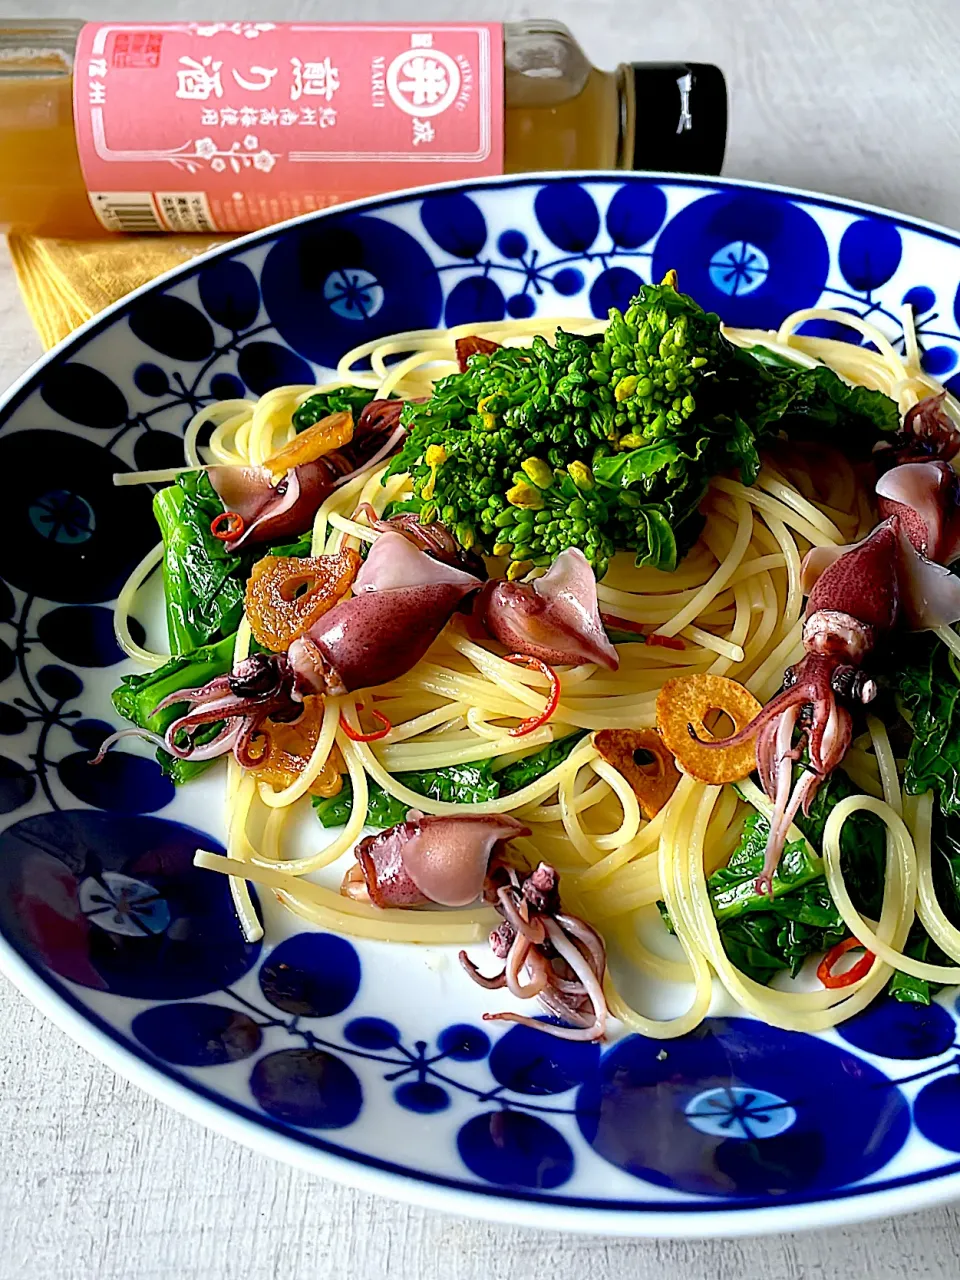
[625,388]
[435,456]
[581,475]
[518,569]
[540,472]
[525,496]
[489,420]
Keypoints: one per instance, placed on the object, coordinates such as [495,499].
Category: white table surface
[860,98]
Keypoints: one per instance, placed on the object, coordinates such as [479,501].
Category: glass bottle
[560,113]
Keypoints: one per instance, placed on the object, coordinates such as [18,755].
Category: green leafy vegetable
[137,695]
[636,466]
[455,784]
[731,888]
[946,864]
[334,811]
[782,391]
[946,883]
[203,578]
[609,442]
[929,690]
[764,937]
[299,548]
[904,986]
[203,593]
[863,843]
[516,776]
[401,507]
[317,407]
[763,945]
[616,636]
[567,413]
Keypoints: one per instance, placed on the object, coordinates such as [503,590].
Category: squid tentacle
[496,983]
[563,957]
[823,710]
[779,825]
[768,757]
[835,737]
[834,755]
[793,696]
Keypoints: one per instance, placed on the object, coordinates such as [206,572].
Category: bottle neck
[37,49]
[627,119]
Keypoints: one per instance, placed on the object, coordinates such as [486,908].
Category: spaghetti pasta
[737,604]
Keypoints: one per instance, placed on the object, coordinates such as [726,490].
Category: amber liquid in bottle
[560,113]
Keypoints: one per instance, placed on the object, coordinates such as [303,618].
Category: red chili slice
[534,664]
[666,642]
[227,526]
[375,736]
[624,624]
[858,971]
[621,624]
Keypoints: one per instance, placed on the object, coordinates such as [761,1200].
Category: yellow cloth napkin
[65,282]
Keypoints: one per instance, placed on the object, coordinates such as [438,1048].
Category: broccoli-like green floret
[505,452]
[651,361]
[489,451]
[607,442]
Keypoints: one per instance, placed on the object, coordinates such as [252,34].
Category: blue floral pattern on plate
[320,1041]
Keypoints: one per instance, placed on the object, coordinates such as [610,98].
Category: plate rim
[841,1206]
[694,1221]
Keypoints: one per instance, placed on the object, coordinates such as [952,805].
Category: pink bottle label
[231,126]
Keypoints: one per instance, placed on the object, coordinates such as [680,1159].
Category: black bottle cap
[681,117]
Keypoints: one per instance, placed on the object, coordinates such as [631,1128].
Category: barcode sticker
[127,211]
